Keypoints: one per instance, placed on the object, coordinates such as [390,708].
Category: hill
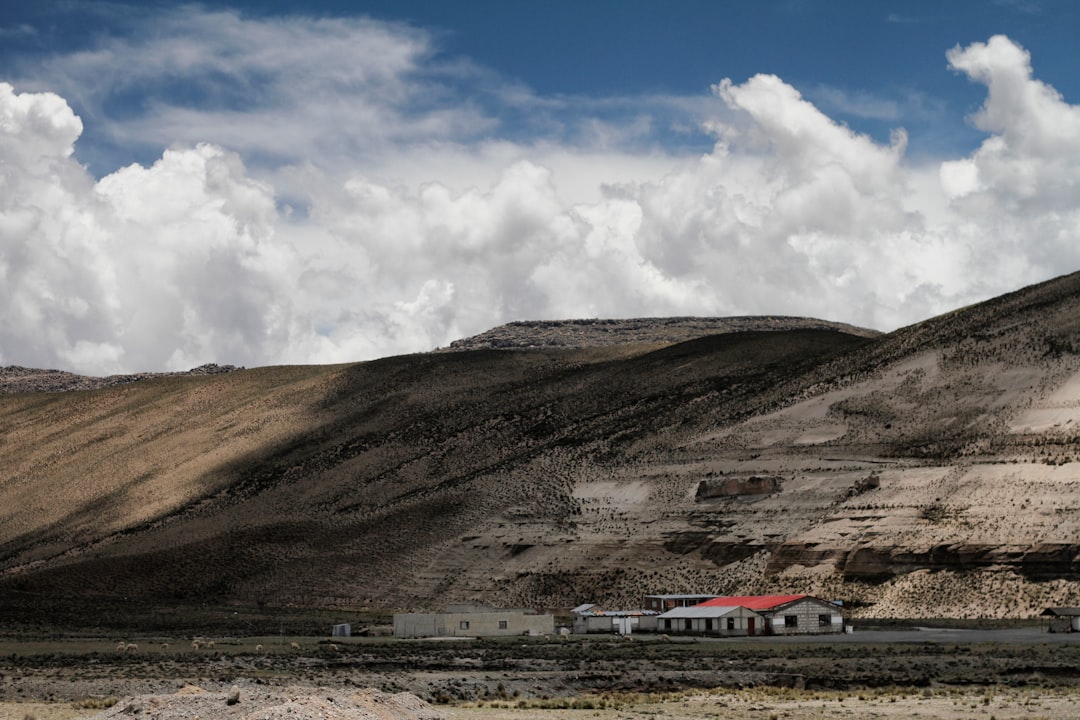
[929,471]
[590,333]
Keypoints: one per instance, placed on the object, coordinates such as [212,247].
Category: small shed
[1063,619]
[712,620]
[341,630]
[592,619]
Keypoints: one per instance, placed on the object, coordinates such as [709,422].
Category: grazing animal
[121,646]
[132,647]
[258,648]
[294,645]
[164,647]
[195,644]
[209,643]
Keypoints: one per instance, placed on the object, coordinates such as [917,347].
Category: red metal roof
[752,602]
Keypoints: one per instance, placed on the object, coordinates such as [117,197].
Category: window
[502,624]
[791,621]
[464,625]
[824,620]
[731,623]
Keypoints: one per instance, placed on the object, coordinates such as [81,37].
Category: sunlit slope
[338,483]
[932,470]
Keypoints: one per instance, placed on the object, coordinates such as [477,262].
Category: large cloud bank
[332,252]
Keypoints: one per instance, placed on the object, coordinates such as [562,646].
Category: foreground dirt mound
[265,704]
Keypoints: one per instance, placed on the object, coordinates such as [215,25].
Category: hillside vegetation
[928,471]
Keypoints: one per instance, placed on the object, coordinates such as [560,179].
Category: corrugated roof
[753,602]
[593,611]
[698,611]
[682,597]
[1062,611]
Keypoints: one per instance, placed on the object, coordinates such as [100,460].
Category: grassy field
[969,703]
[74,676]
[773,704]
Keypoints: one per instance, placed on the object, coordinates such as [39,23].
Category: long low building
[472,622]
[756,615]
[715,620]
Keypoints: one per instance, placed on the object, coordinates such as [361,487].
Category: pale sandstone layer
[929,471]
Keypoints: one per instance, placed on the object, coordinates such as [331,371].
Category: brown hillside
[930,470]
[324,484]
[591,333]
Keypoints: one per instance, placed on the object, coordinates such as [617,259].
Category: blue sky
[872,65]
[263,182]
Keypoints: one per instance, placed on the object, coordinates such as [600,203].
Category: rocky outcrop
[719,552]
[796,554]
[16,379]
[876,563]
[588,333]
[738,486]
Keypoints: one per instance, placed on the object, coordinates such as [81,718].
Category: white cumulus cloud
[363,239]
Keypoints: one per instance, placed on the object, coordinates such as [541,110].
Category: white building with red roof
[714,620]
[755,615]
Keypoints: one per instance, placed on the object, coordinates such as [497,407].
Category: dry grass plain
[770,704]
[538,679]
[932,471]
[977,703]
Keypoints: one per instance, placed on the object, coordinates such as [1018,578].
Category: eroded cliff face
[946,451]
[931,471]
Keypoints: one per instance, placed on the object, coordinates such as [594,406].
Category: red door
[750,626]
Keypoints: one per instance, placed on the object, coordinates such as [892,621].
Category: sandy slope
[928,471]
[969,704]
[972,704]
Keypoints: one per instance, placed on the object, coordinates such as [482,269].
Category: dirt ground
[60,679]
[976,703]
[969,703]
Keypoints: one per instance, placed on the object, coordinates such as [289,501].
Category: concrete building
[712,620]
[1063,619]
[472,622]
[787,614]
[663,603]
[592,619]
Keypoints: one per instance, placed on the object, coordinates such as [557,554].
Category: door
[750,627]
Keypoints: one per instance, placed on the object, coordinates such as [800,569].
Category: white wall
[473,624]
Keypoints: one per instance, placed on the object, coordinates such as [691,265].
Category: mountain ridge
[604,332]
[927,470]
[17,379]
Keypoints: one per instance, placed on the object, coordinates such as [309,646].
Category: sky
[276,182]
